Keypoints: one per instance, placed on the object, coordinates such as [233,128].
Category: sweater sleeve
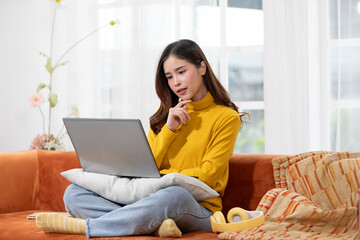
[214,164]
[159,143]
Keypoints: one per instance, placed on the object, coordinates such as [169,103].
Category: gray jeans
[105,218]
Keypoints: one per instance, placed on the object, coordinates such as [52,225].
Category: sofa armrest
[250,177]
[31,180]
[18,181]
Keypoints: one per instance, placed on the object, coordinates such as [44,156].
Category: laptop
[112,146]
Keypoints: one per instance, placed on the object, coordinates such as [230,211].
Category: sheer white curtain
[81,87]
[130,52]
[129,59]
[295,87]
[298,107]
[311,72]
[118,80]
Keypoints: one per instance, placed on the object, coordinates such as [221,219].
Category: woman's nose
[176,81]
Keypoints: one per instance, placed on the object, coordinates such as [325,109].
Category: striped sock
[60,223]
[168,229]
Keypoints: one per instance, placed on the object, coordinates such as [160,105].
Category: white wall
[25,31]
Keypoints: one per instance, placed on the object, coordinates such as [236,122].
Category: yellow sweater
[201,148]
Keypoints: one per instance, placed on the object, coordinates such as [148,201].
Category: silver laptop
[112,146]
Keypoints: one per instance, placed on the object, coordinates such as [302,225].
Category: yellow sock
[168,229]
[60,223]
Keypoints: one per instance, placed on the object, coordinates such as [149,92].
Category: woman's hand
[178,115]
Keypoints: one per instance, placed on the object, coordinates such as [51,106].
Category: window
[344,62]
[244,40]
[237,51]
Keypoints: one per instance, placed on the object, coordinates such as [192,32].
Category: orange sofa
[30,182]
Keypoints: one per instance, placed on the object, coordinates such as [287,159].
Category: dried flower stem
[50,85]
[43,117]
[76,43]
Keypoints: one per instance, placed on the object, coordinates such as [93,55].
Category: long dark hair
[187,50]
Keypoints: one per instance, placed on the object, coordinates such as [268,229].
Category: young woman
[193,132]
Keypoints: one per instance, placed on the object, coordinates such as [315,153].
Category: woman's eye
[169,77]
[183,71]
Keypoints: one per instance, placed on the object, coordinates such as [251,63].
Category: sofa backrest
[250,177]
[31,180]
[51,184]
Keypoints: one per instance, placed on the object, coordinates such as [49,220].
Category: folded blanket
[316,198]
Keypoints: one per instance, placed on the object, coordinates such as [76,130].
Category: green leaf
[53,99]
[48,66]
[41,86]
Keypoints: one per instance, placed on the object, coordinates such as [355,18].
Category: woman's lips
[181,91]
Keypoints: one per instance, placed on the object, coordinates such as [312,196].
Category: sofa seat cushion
[16,226]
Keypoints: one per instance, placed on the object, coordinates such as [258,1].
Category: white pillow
[126,190]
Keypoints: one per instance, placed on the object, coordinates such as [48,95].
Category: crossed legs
[104,218]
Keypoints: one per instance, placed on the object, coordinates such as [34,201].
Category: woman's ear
[202,68]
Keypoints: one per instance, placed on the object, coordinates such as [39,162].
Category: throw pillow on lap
[129,190]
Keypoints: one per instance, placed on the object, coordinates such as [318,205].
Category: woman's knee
[184,209]
[71,196]
[176,194]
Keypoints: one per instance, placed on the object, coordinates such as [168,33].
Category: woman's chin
[184,98]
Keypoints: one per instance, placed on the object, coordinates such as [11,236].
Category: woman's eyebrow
[177,69]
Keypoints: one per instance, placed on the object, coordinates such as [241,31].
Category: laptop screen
[112,146]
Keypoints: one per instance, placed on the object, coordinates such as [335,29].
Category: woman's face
[185,79]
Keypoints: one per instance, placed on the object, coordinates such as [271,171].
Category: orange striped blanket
[315,198]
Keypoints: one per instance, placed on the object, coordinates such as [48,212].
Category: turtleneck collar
[203,103]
